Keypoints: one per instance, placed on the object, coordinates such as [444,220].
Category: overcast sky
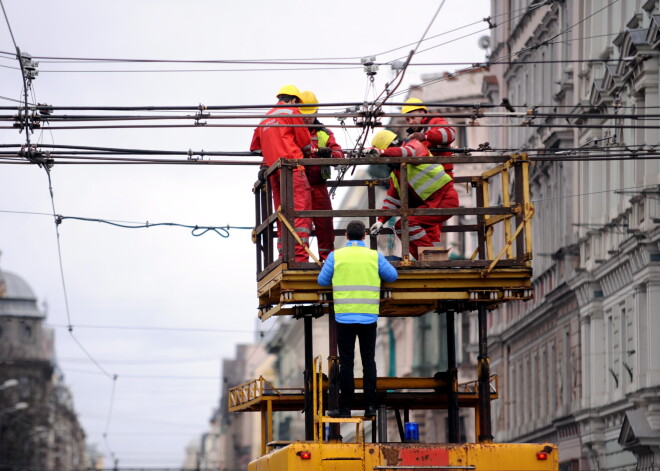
[203,288]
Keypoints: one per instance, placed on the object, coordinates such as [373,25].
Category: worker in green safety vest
[355,273]
[429,186]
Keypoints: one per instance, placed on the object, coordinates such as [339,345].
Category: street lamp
[8,384]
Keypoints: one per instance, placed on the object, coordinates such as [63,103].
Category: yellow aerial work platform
[322,452]
[415,292]
[498,271]
[397,394]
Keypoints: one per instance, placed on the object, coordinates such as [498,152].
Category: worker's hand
[373,152]
[262,174]
[375,228]
[324,152]
[420,136]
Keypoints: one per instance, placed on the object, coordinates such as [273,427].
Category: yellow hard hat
[383,139]
[290,90]
[415,104]
[308,98]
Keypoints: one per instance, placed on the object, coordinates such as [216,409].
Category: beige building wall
[575,361]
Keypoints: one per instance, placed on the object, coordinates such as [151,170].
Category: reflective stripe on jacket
[355,281]
[423,179]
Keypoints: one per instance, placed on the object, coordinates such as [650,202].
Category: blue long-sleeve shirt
[385,270]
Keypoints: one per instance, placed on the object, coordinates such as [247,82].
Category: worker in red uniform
[432,132]
[429,186]
[324,140]
[289,142]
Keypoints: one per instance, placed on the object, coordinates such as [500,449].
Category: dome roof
[17,297]
[15,287]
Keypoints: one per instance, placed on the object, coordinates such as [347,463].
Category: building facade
[39,428]
[578,363]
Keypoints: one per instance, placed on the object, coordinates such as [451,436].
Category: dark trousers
[346,334]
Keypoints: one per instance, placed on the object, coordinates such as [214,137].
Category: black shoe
[339,413]
[370,412]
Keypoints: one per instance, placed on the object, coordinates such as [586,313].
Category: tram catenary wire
[471,65]
[255,61]
[456,150]
[76,160]
[26,87]
[45,108]
[456,125]
[530,114]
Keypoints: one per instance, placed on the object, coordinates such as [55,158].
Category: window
[26,332]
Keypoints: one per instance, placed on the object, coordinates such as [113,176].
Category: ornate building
[579,363]
[39,428]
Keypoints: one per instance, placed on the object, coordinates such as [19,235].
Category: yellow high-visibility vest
[424,179]
[355,281]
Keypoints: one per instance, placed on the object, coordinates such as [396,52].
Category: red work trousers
[302,201]
[324,227]
[424,231]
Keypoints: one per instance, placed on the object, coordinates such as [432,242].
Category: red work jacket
[276,142]
[439,134]
[438,199]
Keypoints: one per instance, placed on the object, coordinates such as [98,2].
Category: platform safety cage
[502,213]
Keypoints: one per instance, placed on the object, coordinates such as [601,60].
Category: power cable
[151,376]
[142,71]
[530,112]
[26,84]
[517,53]
[109,416]
[157,328]
[339,107]
[197,230]
[113,377]
[11,33]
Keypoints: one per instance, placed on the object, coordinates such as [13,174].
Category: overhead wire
[26,86]
[378,102]
[196,230]
[271,327]
[11,33]
[109,417]
[492,61]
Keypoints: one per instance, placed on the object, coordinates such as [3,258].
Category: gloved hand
[262,174]
[420,136]
[324,152]
[373,152]
[375,228]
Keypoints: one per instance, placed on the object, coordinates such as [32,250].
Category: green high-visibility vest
[424,179]
[355,281]
[323,137]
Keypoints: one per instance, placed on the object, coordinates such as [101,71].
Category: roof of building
[13,286]
[17,297]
